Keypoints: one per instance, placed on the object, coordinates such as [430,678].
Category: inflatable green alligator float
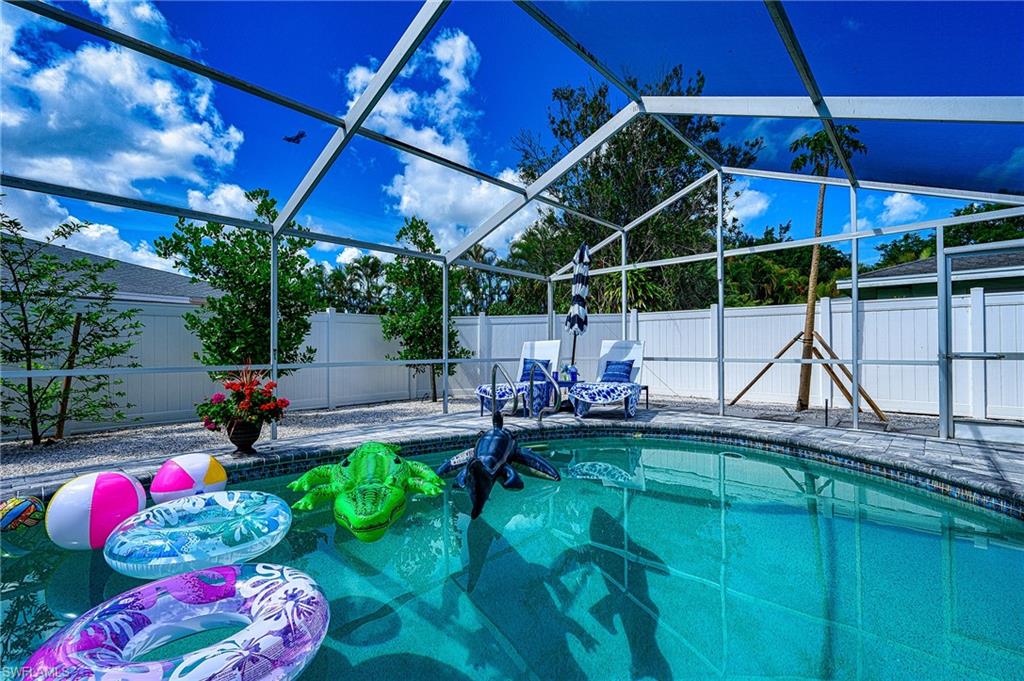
[369,488]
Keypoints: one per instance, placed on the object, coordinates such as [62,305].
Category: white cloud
[39,214]
[750,203]
[1007,175]
[349,254]
[103,117]
[138,19]
[901,208]
[862,223]
[776,142]
[439,121]
[105,240]
[225,199]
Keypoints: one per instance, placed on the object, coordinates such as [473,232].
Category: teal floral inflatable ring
[203,530]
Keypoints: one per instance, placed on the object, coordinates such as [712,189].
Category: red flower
[244,404]
[283,403]
[271,385]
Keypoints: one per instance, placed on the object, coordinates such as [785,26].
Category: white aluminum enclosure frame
[992,110]
[944,270]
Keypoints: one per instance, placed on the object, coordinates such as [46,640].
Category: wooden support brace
[863,393]
[832,374]
[765,368]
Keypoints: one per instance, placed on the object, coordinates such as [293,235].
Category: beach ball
[185,475]
[20,512]
[84,511]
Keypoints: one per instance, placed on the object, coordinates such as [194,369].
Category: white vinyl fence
[901,329]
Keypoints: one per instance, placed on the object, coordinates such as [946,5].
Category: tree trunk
[433,384]
[803,398]
[62,415]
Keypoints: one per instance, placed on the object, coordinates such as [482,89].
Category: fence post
[712,345]
[483,336]
[551,310]
[444,336]
[825,310]
[327,357]
[483,344]
[979,368]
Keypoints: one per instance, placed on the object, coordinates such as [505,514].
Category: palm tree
[820,156]
[366,274]
[480,288]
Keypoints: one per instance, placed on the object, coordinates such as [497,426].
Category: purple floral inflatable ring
[284,612]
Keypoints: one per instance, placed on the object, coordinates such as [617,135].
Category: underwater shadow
[623,565]
[363,621]
[523,624]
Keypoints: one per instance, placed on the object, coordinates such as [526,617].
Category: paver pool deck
[985,474]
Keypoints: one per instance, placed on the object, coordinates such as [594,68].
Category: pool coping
[986,475]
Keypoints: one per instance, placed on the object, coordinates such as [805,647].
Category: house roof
[136,282]
[963,263]
[965,268]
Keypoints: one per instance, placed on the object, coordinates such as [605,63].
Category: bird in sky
[296,138]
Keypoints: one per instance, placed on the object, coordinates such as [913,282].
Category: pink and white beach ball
[85,510]
[185,475]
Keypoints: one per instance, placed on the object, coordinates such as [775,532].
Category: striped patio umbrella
[576,320]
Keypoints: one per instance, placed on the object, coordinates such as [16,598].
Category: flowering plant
[248,399]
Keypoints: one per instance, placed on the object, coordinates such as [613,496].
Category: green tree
[367,280]
[639,167]
[818,154]
[914,246]
[59,314]
[336,288]
[234,327]
[414,307]
[356,287]
[779,277]
[481,290]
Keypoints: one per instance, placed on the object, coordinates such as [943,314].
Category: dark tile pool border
[951,482]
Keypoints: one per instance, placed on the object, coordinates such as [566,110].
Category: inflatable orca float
[492,459]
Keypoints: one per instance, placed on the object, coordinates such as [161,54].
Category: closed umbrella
[576,320]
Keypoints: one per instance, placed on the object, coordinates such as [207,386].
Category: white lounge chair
[540,351]
[627,392]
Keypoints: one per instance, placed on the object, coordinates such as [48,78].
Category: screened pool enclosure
[794,72]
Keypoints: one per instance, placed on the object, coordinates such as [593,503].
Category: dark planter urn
[243,435]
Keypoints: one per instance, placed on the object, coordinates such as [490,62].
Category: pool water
[686,561]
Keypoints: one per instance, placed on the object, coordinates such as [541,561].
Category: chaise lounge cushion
[617,372]
[585,395]
[537,375]
[541,395]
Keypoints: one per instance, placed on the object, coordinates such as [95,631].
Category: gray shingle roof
[130,278]
[983,261]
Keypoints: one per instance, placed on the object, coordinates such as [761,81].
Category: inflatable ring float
[284,612]
[199,531]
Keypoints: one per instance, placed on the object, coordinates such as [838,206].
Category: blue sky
[85,113]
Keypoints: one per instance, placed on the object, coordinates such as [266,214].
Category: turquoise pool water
[689,561]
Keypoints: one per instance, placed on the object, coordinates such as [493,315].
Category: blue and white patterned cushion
[541,395]
[584,395]
[617,372]
[537,375]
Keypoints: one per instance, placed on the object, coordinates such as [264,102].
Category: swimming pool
[660,559]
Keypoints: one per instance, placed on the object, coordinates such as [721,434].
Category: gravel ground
[144,442]
[18,458]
